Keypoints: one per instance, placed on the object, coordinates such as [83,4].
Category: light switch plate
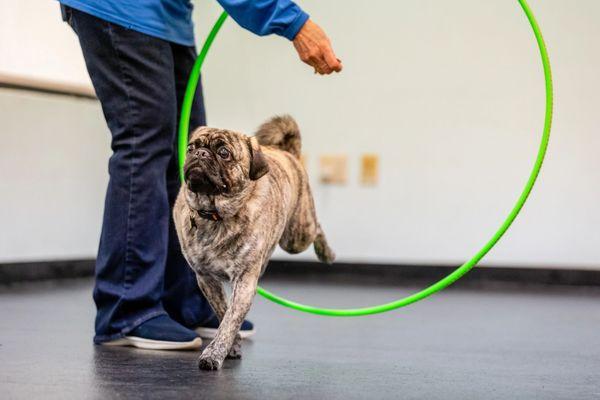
[369,169]
[333,169]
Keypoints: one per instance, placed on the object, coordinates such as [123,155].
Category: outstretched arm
[285,18]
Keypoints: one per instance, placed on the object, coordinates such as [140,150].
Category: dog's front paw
[210,361]
[235,353]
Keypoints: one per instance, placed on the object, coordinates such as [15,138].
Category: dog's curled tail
[281,131]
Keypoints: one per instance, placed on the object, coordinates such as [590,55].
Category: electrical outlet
[333,169]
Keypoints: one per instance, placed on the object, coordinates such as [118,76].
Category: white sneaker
[209,329]
[160,333]
[153,344]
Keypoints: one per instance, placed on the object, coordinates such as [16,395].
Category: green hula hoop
[456,274]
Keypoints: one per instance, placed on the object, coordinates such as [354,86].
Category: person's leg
[182,298]
[133,77]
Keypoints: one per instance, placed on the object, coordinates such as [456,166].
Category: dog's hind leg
[304,229]
[301,228]
[322,249]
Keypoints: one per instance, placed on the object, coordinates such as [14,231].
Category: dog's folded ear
[258,163]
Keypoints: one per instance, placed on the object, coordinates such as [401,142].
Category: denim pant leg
[133,75]
[182,298]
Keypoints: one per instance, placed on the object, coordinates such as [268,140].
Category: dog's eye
[191,146]
[223,153]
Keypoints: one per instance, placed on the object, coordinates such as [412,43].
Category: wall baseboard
[399,274]
[374,274]
[45,270]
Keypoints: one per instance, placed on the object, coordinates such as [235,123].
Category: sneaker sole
[210,333]
[150,344]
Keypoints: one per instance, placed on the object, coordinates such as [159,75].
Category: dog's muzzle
[198,181]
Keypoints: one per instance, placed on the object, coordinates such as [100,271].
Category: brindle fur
[263,198]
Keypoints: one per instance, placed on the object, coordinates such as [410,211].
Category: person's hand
[314,48]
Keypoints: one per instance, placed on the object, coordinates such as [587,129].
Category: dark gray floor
[526,343]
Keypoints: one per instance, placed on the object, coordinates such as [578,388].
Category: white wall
[449,94]
[53,174]
[36,44]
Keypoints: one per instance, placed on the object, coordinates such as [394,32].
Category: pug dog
[241,196]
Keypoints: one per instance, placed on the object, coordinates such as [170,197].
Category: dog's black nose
[202,153]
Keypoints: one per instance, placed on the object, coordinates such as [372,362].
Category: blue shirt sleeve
[264,17]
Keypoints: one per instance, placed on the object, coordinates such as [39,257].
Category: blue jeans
[140,270]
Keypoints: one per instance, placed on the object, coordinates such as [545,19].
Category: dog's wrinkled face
[222,162]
